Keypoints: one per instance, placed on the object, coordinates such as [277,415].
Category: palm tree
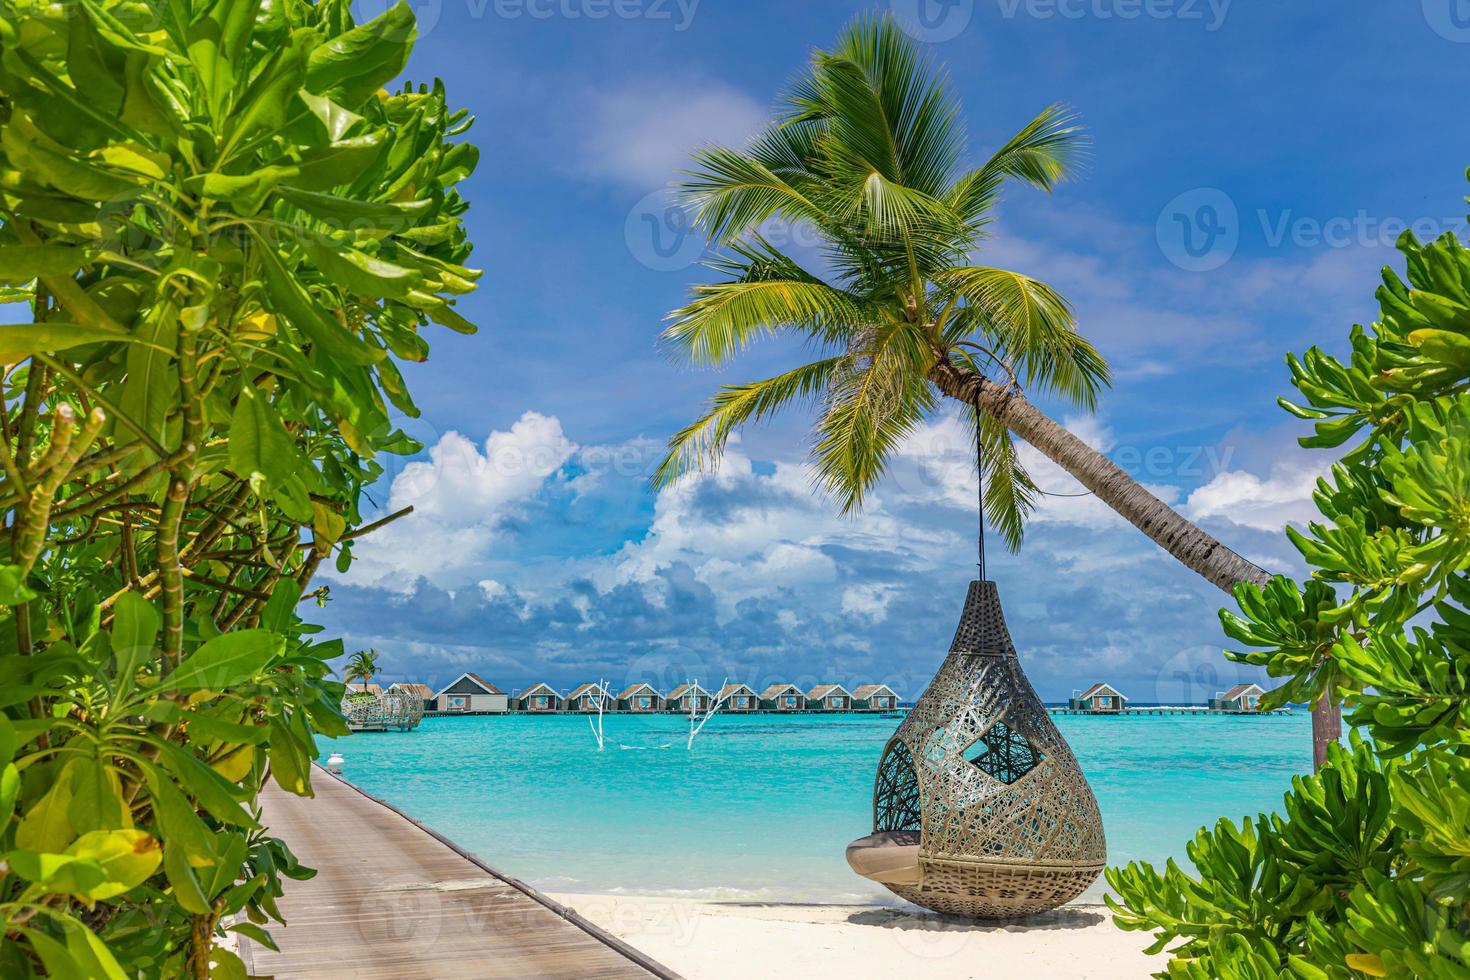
[361,666]
[867,155]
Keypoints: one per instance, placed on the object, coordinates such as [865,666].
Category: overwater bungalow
[539,699]
[376,690]
[1240,699]
[686,696]
[584,698]
[1099,698]
[783,697]
[739,697]
[874,697]
[470,693]
[640,698]
[413,689]
[829,697]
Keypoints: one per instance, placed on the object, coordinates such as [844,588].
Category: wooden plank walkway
[393,899]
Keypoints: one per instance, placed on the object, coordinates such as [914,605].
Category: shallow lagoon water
[763,806]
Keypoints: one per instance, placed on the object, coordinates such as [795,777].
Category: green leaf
[347,213]
[127,858]
[280,612]
[135,625]
[365,58]
[259,442]
[360,272]
[96,796]
[20,340]
[19,264]
[185,883]
[212,790]
[46,826]
[287,298]
[178,823]
[13,588]
[58,873]
[225,661]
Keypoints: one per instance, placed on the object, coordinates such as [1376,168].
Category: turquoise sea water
[763,806]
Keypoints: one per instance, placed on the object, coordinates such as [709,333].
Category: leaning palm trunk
[1181,538]
[1185,540]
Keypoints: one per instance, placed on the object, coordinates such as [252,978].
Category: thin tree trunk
[1183,539]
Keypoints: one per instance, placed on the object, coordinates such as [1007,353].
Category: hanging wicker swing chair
[979,808]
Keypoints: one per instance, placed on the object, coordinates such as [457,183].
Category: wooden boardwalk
[392,899]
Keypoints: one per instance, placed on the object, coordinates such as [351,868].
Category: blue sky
[1252,164]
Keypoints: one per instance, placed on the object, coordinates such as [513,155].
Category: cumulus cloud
[461,497]
[1266,503]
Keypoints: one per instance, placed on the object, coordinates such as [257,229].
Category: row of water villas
[1104,699]
[472,694]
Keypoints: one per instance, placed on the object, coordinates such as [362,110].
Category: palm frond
[733,406]
[909,99]
[733,192]
[1010,494]
[1031,326]
[765,297]
[877,401]
[1046,151]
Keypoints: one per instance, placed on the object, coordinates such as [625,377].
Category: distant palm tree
[361,666]
[867,155]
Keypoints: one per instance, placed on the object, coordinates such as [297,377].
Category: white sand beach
[711,940]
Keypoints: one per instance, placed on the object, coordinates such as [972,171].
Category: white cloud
[869,601]
[642,135]
[1266,504]
[460,496]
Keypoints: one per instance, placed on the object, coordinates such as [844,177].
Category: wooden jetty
[393,899]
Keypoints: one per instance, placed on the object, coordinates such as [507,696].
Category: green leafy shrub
[227,231]
[1366,870]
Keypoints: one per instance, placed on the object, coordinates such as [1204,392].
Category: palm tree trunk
[1181,538]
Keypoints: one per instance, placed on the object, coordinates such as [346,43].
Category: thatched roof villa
[687,696]
[829,697]
[640,699]
[783,697]
[539,699]
[1101,698]
[584,698]
[739,697]
[469,693]
[874,697]
[1242,698]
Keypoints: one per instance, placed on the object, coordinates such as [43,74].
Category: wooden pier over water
[393,899]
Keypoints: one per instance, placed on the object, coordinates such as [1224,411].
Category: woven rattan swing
[979,807]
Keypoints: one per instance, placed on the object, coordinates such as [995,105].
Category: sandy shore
[706,940]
